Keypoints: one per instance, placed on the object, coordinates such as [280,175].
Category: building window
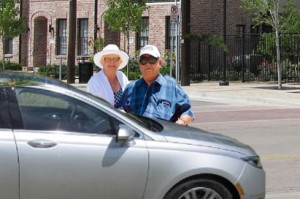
[143,35]
[83,37]
[240,30]
[61,37]
[254,30]
[267,28]
[8,46]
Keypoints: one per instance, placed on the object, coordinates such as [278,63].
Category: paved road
[274,132]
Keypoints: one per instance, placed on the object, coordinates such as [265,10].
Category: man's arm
[185,115]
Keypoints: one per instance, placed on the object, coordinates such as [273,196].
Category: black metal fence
[250,58]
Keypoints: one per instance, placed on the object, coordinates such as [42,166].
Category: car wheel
[199,188]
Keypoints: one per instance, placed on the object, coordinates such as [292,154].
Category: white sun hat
[111,49]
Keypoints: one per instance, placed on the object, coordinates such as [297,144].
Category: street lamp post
[185,45]
[224,82]
[71,41]
[95,23]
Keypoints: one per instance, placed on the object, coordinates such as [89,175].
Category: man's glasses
[114,60]
[145,60]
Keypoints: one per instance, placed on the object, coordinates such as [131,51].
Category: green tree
[214,40]
[11,23]
[291,18]
[125,16]
[268,12]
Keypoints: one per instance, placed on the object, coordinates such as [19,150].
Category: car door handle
[41,143]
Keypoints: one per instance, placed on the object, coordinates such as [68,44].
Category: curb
[240,93]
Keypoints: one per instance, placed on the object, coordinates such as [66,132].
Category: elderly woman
[109,83]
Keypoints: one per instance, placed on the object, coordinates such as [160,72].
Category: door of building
[40,42]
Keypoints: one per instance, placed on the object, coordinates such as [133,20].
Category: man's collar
[159,80]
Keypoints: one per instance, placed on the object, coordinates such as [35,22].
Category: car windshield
[146,122]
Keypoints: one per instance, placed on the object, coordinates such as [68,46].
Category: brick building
[45,40]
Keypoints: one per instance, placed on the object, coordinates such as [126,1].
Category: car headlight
[254,161]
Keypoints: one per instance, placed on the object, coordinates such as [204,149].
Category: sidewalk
[263,93]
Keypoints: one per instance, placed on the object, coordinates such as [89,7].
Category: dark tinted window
[61,42]
[4,115]
[83,37]
[8,48]
[143,34]
[148,123]
[46,110]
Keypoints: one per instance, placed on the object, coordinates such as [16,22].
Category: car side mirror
[125,134]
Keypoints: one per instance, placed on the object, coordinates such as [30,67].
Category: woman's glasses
[145,60]
[114,60]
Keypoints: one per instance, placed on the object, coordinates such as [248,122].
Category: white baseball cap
[150,50]
[111,49]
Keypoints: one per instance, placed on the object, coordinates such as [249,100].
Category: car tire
[199,188]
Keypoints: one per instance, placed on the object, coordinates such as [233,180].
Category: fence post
[60,65]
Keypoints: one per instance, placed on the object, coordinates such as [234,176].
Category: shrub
[134,70]
[46,70]
[11,65]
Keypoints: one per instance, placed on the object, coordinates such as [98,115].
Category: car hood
[194,136]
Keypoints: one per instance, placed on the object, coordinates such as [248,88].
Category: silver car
[58,142]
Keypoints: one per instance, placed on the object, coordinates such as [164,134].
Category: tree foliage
[282,18]
[11,23]
[124,15]
[214,40]
[291,18]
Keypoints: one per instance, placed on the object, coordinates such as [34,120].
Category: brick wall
[206,18]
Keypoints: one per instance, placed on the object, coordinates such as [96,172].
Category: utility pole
[95,23]
[72,41]
[20,37]
[224,82]
[186,61]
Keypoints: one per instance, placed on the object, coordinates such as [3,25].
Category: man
[155,95]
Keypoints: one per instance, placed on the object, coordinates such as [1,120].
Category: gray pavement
[261,93]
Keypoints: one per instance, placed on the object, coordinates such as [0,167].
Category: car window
[4,115]
[47,110]
[146,122]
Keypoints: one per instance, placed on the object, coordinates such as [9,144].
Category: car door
[67,150]
[9,168]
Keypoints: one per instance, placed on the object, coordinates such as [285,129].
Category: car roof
[13,79]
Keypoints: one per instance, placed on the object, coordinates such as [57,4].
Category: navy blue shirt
[163,99]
